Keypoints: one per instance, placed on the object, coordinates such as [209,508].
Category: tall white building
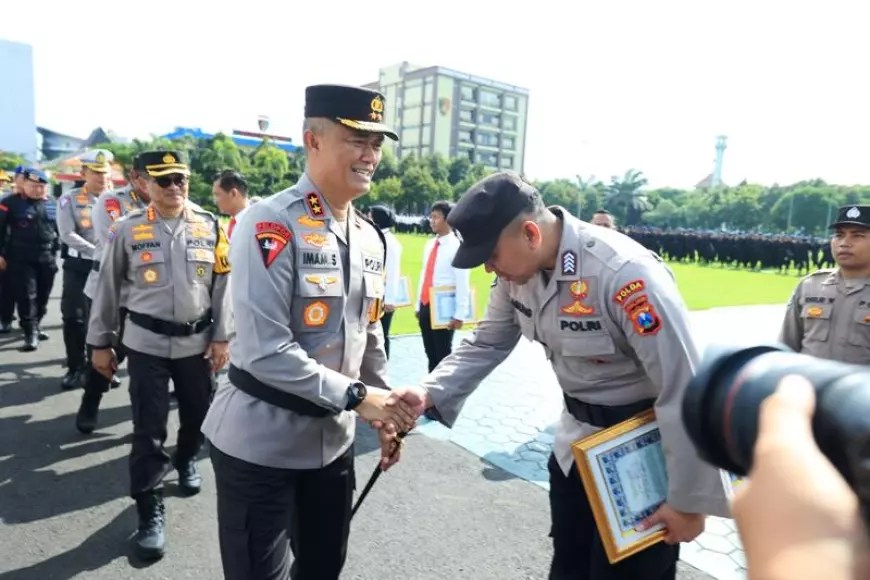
[17,102]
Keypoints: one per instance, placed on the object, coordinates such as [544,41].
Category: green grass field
[701,287]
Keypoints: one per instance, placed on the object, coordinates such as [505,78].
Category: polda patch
[272,238]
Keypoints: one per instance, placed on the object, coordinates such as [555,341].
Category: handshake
[393,413]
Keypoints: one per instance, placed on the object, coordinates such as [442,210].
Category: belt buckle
[190,327]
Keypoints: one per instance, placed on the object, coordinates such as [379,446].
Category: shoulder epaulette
[824,272]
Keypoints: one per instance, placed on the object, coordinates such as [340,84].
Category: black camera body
[722,403]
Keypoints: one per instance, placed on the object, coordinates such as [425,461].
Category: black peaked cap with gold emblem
[853,215]
[354,107]
[160,163]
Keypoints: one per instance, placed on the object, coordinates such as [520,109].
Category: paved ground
[447,511]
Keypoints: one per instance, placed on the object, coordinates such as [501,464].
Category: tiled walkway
[509,421]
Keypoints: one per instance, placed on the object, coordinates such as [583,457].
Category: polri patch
[629,290]
[272,238]
[113,209]
[569,263]
[645,319]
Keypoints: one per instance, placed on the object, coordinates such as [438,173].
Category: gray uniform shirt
[173,273]
[75,223]
[307,295]
[109,207]
[828,317]
[616,330]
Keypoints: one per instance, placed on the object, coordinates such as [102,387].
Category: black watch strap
[356,393]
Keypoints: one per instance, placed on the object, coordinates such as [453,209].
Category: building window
[466,115]
[489,99]
[507,142]
[510,103]
[510,124]
[467,93]
[507,161]
[465,136]
[489,119]
[487,158]
[487,139]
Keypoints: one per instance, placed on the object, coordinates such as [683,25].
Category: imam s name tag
[323,259]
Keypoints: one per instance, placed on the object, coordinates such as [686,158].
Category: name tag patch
[373,265]
[328,259]
[145,245]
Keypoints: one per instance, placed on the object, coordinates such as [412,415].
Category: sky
[614,85]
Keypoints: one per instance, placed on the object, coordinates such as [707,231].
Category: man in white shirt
[385,218]
[230,191]
[438,271]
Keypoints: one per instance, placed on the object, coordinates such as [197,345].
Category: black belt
[605,415]
[168,328]
[247,383]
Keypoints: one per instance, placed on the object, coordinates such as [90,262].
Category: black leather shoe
[189,478]
[31,342]
[89,411]
[6,328]
[71,380]
[150,537]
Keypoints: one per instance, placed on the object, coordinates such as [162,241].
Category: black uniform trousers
[264,513]
[578,553]
[95,383]
[34,280]
[386,321]
[7,299]
[149,401]
[437,343]
[74,311]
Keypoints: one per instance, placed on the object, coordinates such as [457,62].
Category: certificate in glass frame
[625,477]
[441,306]
[404,297]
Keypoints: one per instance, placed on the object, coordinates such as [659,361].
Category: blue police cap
[484,211]
[34,174]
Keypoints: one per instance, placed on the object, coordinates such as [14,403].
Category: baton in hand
[377,473]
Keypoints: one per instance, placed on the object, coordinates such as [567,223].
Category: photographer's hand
[798,519]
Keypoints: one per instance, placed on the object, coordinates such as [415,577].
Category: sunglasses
[168,180]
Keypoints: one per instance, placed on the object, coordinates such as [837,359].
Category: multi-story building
[17,102]
[440,110]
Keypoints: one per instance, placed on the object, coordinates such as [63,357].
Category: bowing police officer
[108,208]
[170,260]
[616,331]
[307,286]
[28,251]
[75,224]
[828,315]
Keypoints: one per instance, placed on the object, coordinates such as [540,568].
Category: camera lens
[722,404]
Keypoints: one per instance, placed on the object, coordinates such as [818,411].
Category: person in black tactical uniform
[28,251]
[7,295]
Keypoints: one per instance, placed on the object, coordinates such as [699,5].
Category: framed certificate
[404,297]
[441,306]
[623,471]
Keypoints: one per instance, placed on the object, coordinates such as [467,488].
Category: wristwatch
[356,394]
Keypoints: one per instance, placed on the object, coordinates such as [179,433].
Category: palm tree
[624,195]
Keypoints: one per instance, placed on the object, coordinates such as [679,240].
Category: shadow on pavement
[95,552]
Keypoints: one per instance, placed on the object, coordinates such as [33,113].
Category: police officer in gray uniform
[308,288]
[75,224]
[616,331]
[108,208]
[171,260]
[828,315]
